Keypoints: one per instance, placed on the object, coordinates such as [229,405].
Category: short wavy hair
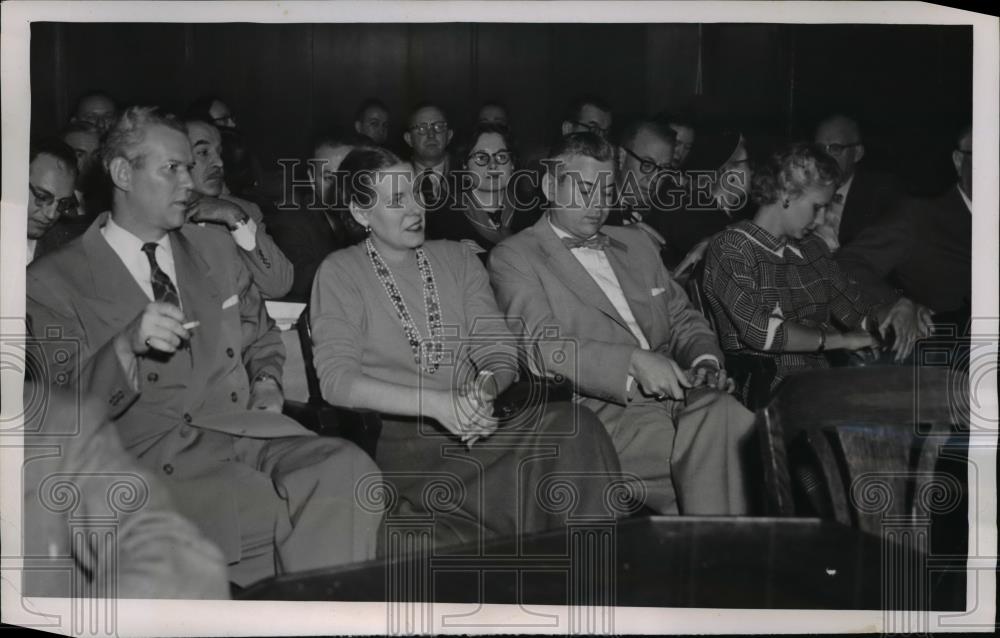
[359,169]
[129,131]
[791,171]
[575,144]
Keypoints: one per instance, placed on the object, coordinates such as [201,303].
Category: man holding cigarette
[160,319]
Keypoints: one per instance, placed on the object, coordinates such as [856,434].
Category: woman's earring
[784,204]
[368,229]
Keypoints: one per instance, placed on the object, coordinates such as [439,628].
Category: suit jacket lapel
[562,262]
[117,296]
[199,297]
[637,295]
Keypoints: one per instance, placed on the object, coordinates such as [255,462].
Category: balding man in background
[98,109]
[864,197]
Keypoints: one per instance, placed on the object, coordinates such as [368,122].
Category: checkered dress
[754,282]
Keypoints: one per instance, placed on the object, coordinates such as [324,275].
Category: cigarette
[191,324]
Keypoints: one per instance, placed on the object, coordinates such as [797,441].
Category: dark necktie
[427,191]
[496,217]
[599,241]
[163,289]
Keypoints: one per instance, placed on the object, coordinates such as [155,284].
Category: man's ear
[620,159]
[958,159]
[451,134]
[120,171]
[408,139]
[859,152]
[357,126]
[359,215]
[567,128]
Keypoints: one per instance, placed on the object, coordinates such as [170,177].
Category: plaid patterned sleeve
[732,271]
[848,303]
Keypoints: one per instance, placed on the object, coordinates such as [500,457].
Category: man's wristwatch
[265,375]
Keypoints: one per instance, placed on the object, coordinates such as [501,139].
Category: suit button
[235,397]
[168,468]
[187,418]
[152,377]
[230,353]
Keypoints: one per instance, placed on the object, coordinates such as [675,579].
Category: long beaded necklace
[427,353]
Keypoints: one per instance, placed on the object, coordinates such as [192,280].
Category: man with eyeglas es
[51,179]
[924,248]
[645,171]
[429,135]
[588,113]
[864,197]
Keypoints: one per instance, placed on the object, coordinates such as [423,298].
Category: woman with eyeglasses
[715,194]
[487,206]
[410,329]
[774,288]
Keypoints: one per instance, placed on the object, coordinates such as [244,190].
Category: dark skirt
[533,474]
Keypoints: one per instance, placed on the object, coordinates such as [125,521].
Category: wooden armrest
[360,427]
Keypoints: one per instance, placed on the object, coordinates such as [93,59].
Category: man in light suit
[272,271]
[160,320]
[645,361]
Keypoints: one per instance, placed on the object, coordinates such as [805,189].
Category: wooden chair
[752,374]
[361,427]
[860,445]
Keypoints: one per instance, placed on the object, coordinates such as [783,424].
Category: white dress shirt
[30,255]
[830,230]
[128,247]
[596,263]
[965,198]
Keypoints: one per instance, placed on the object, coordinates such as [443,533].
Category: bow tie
[599,241]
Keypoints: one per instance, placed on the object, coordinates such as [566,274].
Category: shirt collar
[440,168]
[845,187]
[125,243]
[965,198]
[562,234]
[32,243]
[765,240]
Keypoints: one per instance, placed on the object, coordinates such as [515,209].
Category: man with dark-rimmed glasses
[644,172]
[428,134]
[51,178]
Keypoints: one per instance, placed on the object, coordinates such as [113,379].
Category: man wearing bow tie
[636,351]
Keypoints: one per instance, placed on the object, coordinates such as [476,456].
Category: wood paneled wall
[286,82]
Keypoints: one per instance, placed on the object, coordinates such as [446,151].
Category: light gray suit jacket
[550,298]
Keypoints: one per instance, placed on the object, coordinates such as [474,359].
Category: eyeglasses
[44,198]
[647,166]
[838,149]
[482,158]
[593,127]
[424,129]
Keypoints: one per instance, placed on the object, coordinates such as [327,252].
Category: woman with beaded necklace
[410,329]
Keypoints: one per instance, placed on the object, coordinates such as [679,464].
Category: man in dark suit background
[638,354]
[271,270]
[165,326]
[925,248]
[864,197]
[314,225]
